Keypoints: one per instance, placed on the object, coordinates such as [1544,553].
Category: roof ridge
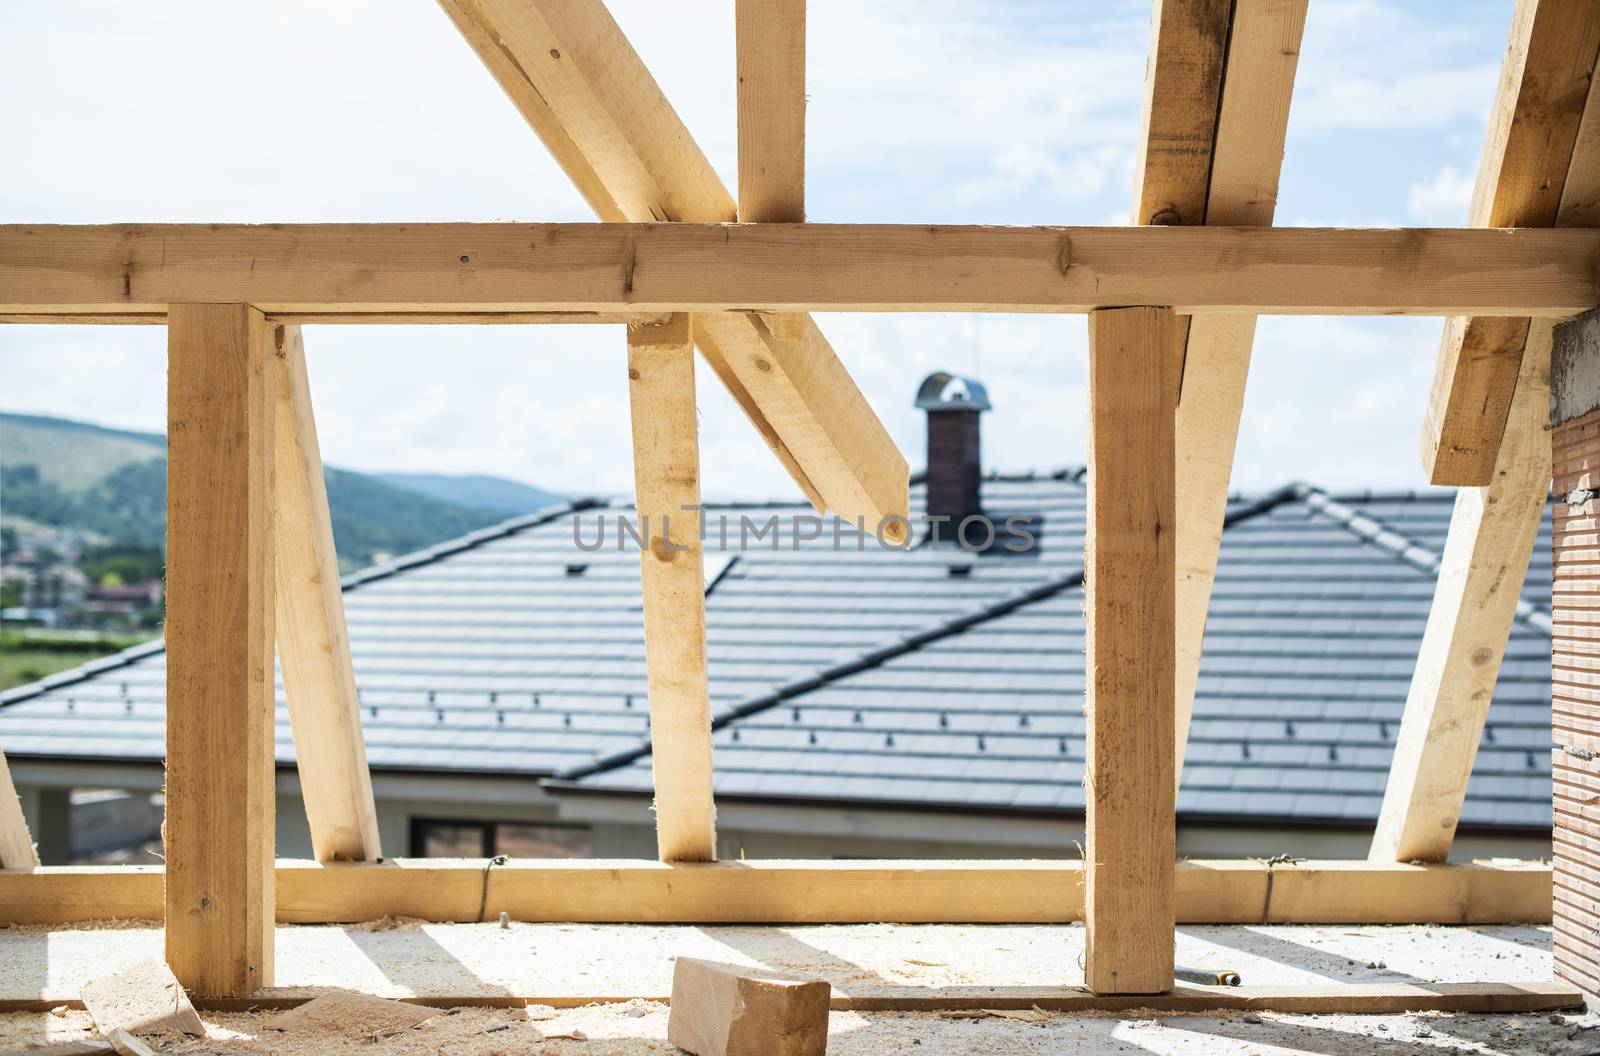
[1400,546]
[417,558]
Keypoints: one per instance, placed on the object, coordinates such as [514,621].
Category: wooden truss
[1171,302]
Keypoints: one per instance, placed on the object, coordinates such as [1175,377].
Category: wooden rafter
[220,792]
[815,892]
[569,69]
[1183,83]
[666,471]
[1128,605]
[1250,118]
[16,846]
[1492,532]
[771,55]
[1545,82]
[285,270]
[313,644]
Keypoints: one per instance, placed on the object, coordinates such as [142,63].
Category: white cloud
[1018,111]
[1443,200]
[1413,100]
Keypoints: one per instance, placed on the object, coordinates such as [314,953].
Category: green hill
[111,485]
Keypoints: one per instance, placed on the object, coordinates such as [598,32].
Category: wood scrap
[352,1014]
[125,1044]
[143,998]
[734,1010]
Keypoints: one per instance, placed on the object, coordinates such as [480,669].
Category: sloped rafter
[1545,84]
[569,69]
[1492,532]
[313,644]
[16,846]
[1218,85]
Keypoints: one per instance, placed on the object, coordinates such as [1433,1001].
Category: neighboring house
[867,702]
[54,591]
[122,602]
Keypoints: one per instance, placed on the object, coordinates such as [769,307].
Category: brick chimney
[955,468]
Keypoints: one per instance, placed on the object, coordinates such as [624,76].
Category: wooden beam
[219,790]
[666,473]
[159,318]
[1129,631]
[1492,532]
[495,268]
[313,644]
[1325,999]
[1183,89]
[1545,80]
[1242,891]
[16,846]
[569,69]
[1247,158]
[771,54]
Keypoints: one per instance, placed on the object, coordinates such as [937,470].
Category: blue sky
[1014,112]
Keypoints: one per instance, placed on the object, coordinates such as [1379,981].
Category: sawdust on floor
[640,1027]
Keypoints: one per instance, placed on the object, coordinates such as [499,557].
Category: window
[450,838]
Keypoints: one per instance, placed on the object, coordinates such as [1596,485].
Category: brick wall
[1575,701]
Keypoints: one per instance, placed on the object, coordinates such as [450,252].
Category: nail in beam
[1129,614]
[219,633]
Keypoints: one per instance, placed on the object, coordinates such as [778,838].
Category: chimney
[955,470]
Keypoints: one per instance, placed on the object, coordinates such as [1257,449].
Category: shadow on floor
[1330,964]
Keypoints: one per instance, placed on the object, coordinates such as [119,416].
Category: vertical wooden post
[16,847]
[1130,628]
[313,644]
[666,468]
[219,633]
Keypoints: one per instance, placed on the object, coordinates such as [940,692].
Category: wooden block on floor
[731,1010]
[353,1014]
[125,1044]
[143,998]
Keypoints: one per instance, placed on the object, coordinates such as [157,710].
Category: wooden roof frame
[1171,305]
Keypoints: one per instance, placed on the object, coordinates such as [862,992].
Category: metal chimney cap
[944,391]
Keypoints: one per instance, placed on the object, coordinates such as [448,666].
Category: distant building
[122,602]
[54,591]
[867,702]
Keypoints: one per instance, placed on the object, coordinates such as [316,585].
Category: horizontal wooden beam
[847,892]
[158,317]
[1325,999]
[291,271]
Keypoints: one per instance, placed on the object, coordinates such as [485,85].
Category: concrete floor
[572,963]
[632,964]
[640,1027]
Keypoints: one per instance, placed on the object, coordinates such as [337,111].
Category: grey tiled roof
[1315,622]
[932,676]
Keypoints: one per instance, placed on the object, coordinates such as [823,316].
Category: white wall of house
[623,826]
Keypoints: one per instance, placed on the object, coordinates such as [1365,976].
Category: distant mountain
[111,485]
[475,491]
[72,455]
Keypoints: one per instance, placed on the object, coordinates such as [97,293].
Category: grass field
[25,658]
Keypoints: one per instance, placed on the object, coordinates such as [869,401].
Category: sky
[938,111]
